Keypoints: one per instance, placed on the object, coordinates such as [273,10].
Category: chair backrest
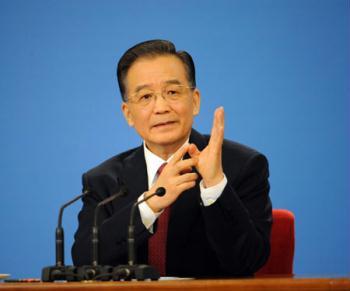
[282,242]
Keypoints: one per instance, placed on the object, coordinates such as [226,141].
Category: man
[216,212]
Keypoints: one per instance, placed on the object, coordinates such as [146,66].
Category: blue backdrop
[280,68]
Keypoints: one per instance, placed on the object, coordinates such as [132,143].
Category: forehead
[154,71]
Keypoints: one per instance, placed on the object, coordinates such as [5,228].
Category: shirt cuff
[211,194]
[148,217]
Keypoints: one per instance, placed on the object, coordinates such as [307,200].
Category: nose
[160,104]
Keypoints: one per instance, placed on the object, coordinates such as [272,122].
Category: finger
[186,164]
[182,166]
[185,186]
[179,154]
[193,151]
[218,123]
[185,178]
[187,170]
[217,132]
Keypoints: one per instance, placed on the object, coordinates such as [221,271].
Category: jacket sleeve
[112,223]
[238,224]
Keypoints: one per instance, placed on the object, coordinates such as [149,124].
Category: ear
[127,114]
[196,101]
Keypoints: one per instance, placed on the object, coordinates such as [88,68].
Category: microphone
[95,241]
[133,271]
[96,271]
[59,271]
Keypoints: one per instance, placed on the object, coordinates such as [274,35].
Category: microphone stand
[133,270]
[96,271]
[59,271]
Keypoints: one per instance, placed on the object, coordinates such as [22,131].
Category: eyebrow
[174,81]
[167,82]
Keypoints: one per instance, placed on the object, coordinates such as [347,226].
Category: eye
[172,92]
[145,97]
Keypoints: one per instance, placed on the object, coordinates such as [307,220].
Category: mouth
[163,124]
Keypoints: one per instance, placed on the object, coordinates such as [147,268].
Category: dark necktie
[157,243]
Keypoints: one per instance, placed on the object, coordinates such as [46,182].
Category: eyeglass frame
[156,93]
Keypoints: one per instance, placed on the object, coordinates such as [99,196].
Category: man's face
[161,123]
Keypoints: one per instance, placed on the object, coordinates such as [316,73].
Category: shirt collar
[153,162]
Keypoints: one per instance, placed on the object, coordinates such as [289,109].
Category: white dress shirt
[153,162]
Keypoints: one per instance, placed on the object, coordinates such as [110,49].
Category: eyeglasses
[171,93]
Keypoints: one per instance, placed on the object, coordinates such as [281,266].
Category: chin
[168,138]
[166,141]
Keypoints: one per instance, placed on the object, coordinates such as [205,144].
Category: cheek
[186,111]
[141,120]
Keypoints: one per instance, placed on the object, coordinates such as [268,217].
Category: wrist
[207,183]
[151,203]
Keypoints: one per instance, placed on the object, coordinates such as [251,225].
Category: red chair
[282,241]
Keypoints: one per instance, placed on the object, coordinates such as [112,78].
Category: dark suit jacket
[227,238]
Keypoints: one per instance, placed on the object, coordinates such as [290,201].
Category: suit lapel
[135,173]
[198,139]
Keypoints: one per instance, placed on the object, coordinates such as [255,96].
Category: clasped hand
[177,175]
